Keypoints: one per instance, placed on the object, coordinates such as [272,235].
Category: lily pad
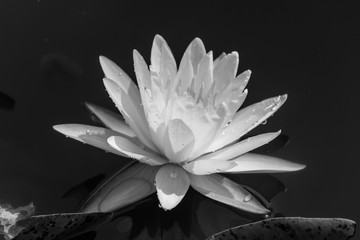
[291,228]
[60,226]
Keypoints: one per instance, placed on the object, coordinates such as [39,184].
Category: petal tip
[111,141]
[283,97]
[102,59]
[158,37]
[63,129]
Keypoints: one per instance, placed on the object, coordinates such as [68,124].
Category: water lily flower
[182,125]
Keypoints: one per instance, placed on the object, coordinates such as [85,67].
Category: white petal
[240,148]
[225,71]
[203,123]
[241,80]
[204,77]
[226,191]
[221,160]
[132,111]
[196,50]
[219,58]
[185,74]
[178,141]
[256,163]
[190,62]
[134,151]
[153,115]
[115,73]
[208,166]
[163,64]
[111,120]
[172,183]
[127,186]
[245,120]
[235,93]
[161,56]
[94,136]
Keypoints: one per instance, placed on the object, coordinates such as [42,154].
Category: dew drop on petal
[247,198]
[264,122]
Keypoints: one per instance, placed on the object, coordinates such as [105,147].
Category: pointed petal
[245,120]
[235,93]
[115,73]
[204,77]
[152,112]
[94,136]
[208,166]
[189,64]
[134,151]
[134,182]
[256,163]
[163,64]
[178,141]
[185,74]
[111,120]
[225,71]
[240,148]
[196,50]
[132,111]
[172,183]
[241,80]
[141,70]
[219,58]
[224,190]
[161,55]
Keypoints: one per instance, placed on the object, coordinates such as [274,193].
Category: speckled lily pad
[59,226]
[291,228]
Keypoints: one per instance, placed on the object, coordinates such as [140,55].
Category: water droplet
[264,122]
[87,131]
[247,198]
[159,205]
[266,215]
[173,175]
[66,136]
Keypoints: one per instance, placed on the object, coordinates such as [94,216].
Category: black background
[49,63]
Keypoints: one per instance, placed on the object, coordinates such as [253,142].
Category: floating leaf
[9,217]
[59,226]
[85,236]
[291,228]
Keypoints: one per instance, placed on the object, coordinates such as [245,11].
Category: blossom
[182,125]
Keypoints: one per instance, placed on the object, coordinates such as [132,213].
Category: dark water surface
[49,64]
